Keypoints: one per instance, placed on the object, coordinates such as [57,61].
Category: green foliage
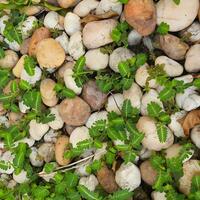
[79,73]
[5,75]
[64,92]
[46,117]
[2,53]
[87,194]
[71,179]
[162,132]
[196,83]
[94,166]
[108,49]
[4,165]
[120,195]
[163,28]
[19,159]
[117,82]
[33,100]
[49,167]
[177,2]
[155,111]
[123,1]
[120,33]
[29,65]
[128,110]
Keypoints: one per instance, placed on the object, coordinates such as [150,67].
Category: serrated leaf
[167,93]
[2,53]
[49,167]
[154,109]
[124,69]
[120,195]
[4,165]
[87,194]
[29,65]
[71,179]
[195,183]
[161,132]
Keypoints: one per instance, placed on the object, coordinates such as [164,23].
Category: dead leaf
[190,120]
[106,15]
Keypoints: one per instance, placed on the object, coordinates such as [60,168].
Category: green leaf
[127,108]
[33,99]
[49,167]
[4,74]
[164,117]
[5,98]
[177,2]
[154,109]
[110,157]
[24,85]
[116,35]
[174,164]
[79,65]
[157,162]
[141,59]
[123,1]
[161,132]
[120,195]
[46,117]
[68,93]
[73,195]
[14,86]
[51,7]
[29,65]
[167,93]
[129,156]
[19,159]
[71,179]
[126,83]
[163,28]
[87,194]
[2,53]
[163,177]
[196,83]
[124,69]
[4,165]
[195,183]
[40,192]
[136,138]
[12,34]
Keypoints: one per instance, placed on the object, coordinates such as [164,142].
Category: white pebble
[89,182]
[64,41]
[57,123]
[128,176]
[72,23]
[192,62]
[96,116]
[21,177]
[79,134]
[109,5]
[28,26]
[171,67]
[118,55]
[70,81]
[31,79]
[34,158]
[134,38]
[84,7]
[51,21]
[115,103]
[95,60]
[37,130]
[76,48]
